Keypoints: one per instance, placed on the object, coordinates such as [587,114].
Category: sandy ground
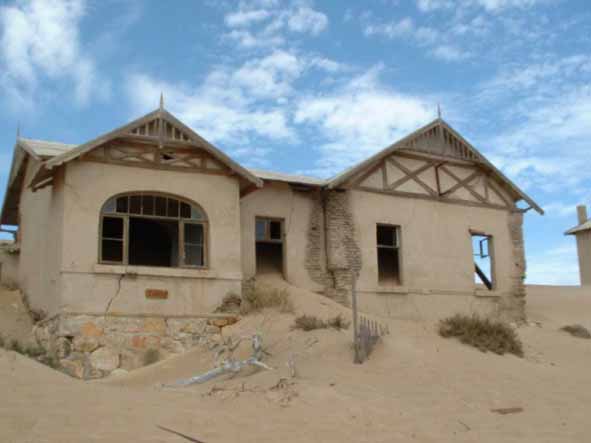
[416,387]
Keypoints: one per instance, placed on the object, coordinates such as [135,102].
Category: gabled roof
[455,145]
[586,226]
[288,178]
[159,118]
[42,149]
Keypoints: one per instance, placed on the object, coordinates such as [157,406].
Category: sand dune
[415,387]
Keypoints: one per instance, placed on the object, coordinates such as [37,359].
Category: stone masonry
[92,346]
[512,306]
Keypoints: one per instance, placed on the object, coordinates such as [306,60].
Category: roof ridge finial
[438,111]
[161,100]
[18,130]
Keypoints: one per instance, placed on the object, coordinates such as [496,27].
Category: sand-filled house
[153,221]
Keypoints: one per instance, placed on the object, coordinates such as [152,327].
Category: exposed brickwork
[343,255]
[315,263]
[512,307]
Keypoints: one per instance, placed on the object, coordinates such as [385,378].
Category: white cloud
[358,119]
[259,24]
[217,109]
[40,40]
[246,18]
[561,209]
[394,29]
[305,19]
[270,76]
[489,5]
[449,53]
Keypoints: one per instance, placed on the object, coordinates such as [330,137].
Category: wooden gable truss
[157,140]
[435,163]
[407,174]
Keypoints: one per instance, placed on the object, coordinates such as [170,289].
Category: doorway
[269,234]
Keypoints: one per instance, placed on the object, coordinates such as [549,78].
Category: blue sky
[313,87]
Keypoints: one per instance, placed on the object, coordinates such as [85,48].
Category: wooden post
[355,326]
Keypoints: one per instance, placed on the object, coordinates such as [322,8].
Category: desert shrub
[151,356]
[309,323]
[577,331]
[1,341]
[15,346]
[230,304]
[482,333]
[259,298]
[338,322]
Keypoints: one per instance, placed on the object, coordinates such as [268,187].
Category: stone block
[154,325]
[105,359]
[85,344]
[74,367]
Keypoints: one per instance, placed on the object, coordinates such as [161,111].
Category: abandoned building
[146,228]
[582,233]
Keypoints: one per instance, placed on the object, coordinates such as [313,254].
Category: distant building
[583,234]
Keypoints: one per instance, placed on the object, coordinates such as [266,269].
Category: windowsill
[485,292]
[100,268]
[390,290]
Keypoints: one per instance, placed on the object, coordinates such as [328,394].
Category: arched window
[149,229]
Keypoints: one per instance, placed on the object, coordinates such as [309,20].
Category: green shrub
[151,356]
[258,298]
[577,331]
[482,333]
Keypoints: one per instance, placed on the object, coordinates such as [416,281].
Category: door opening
[269,245]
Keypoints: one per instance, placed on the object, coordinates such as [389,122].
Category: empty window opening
[388,252]
[269,245]
[483,259]
[152,230]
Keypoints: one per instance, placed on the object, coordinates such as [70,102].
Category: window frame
[397,248]
[204,222]
[267,238]
[490,254]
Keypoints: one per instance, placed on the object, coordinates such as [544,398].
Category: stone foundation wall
[512,306]
[315,262]
[92,346]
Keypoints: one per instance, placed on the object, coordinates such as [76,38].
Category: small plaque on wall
[158,294]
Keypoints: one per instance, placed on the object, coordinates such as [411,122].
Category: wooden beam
[432,198]
[412,176]
[459,182]
[409,172]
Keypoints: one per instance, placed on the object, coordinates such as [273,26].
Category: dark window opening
[153,242]
[483,260]
[388,255]
[269,245]
[153,230]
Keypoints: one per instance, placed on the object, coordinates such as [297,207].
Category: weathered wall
[8,266]
[92,287]
[584,253]
[303,240]
[40,237]
[436,249]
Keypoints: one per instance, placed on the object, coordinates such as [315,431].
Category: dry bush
[338,322]
[577,331]
[258,298]
[311,322]
[151,356]
[482,333]
[32,351]
[230,304]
